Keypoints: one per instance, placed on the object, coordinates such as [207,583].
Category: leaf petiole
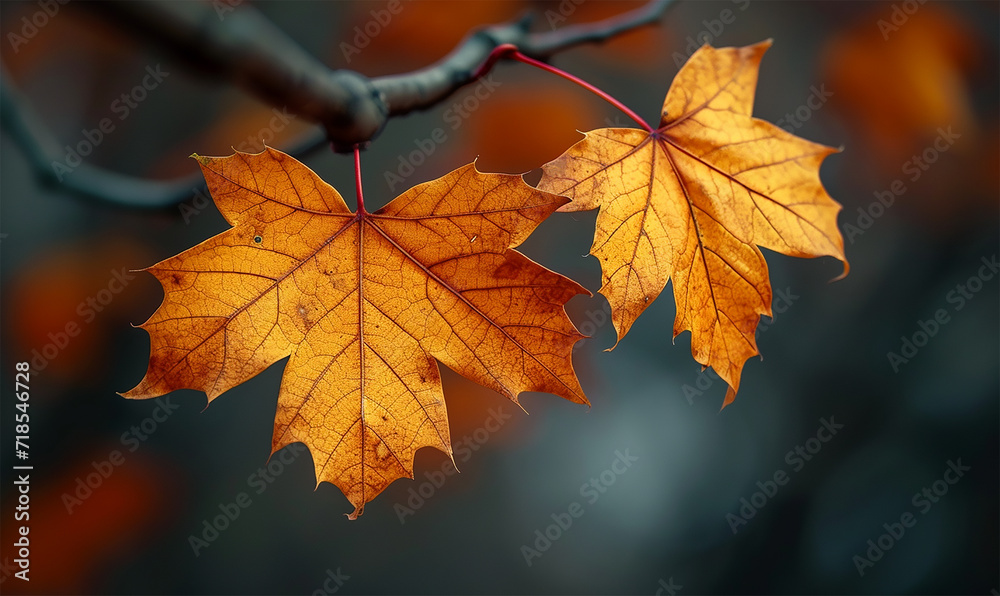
[357,180]
[511,50]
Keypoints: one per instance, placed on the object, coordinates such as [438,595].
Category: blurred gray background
[895,75]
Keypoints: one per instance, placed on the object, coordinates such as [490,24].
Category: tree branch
[425,88]
[247,50]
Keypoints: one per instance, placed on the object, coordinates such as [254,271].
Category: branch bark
[247,50]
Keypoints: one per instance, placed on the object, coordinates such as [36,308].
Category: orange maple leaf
[692,200]
[363,303]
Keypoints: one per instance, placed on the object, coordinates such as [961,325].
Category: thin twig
[426,88]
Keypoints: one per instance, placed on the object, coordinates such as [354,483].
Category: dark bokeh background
[664,521]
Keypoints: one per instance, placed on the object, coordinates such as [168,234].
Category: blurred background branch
[42,150]
[250,52]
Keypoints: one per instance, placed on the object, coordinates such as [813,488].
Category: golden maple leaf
[363,303]
[692,200]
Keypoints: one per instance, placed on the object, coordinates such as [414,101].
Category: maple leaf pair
[367,304]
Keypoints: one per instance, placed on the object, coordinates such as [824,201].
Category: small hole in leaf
[258,239]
